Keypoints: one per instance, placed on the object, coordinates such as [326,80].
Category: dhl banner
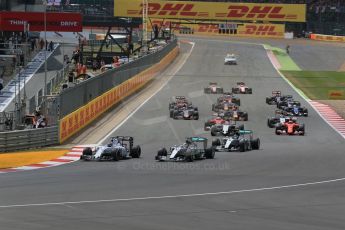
[212,10]
[329,38]
[74,122]
[221,28]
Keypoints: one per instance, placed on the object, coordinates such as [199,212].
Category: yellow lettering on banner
[212,10]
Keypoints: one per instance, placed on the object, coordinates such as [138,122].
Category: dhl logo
[234,11]
[261,30]
[170,9]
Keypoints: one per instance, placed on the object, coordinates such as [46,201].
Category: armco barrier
[31,138]
[74,122]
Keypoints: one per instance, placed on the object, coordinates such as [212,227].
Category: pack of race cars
[285,120]
[230,136]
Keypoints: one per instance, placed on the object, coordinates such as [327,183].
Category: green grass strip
[319,85]
[284,59]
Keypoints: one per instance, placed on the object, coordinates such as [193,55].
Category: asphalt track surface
[284,185]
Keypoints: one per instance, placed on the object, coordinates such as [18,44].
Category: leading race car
[276,98]
[195,148]
[119,148]
[213,88]
[279,119]
[230,59]
[229,97]
[241,141]
[185,113]
[241,88]
[290,128]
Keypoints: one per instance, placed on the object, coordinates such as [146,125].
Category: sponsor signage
[330,38]
[212,10]
[336,94]
[220,28]
[63,22]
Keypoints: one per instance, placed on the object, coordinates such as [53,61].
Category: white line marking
[162,86]
[171,196]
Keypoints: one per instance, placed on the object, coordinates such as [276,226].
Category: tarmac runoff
[245,195]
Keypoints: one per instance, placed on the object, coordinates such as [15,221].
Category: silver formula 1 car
[119,148]
[241,141]
[195,148]
[230,59]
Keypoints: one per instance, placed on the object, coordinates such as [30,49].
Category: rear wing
[199,140]
[240,83]
[243,132]
[213,83]
[276,93]
[180,97]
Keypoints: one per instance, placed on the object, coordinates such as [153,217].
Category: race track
[284,185]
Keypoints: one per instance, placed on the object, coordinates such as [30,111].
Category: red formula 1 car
[290,127]
[213,88]
[214,121]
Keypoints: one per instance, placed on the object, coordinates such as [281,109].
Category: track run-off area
[292,182]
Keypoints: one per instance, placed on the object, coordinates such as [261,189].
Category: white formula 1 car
[230,59]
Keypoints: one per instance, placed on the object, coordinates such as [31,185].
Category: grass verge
[17,159]
[319,85]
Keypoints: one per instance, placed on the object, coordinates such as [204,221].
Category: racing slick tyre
[216,142]
[234,90]
[305,111]
[213,107]
[270,123]
[237,102]
[214,131]
[268,101]
[255,143]
[219,90]
[175,115]
[136,152]
[249,91]
[207,90]
[301,129]
[161,153]
[189,158]
[171,113]
[209,153]
[196,116]
[245,117]
[86,152]
[242,146]
[196,109]
[277,130]
[115,154]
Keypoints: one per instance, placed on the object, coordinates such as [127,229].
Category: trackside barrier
[26,139]
[80,118]
[328,38]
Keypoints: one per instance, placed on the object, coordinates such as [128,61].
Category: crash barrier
[26,139]
[131,82]
[329,38]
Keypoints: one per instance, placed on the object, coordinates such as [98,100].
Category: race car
[213,88]
[195,148]
[229,97]
[230,59]
[242,141]
[276,98]
[235,115]
[119,148]
[185,113]
[224,106]
[289,102]
[295,110]
[213,121]
[178,101]
[290,128]
[279,119]
[241,88]
[226,129]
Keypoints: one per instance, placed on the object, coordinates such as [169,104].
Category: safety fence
[26,139]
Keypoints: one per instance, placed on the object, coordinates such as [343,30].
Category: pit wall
[72,123]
